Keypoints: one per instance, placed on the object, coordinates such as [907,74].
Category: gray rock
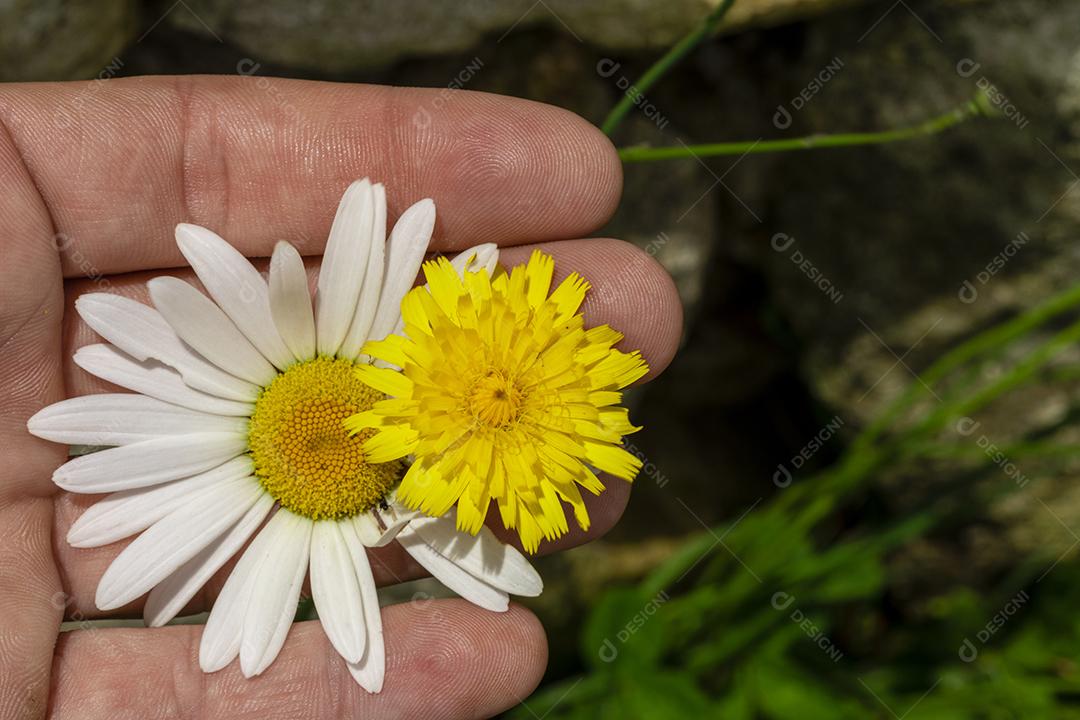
[54,40]
[874,255]
[337,35]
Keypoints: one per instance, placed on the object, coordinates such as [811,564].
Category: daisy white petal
[373,280]
[224,630]
[124,513]
[148,462]
[371,668]
[379,526]
[200,323]
[483,555]
[121,419]
[449,574]
[174,540]
[478,257]
[143,333]
[404,254]
[367,528]
[290,301]
[275,592]
[344,265]
[336,591]
[170,596]
[154,379]
[236,286]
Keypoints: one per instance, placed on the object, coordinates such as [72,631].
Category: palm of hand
[92,180]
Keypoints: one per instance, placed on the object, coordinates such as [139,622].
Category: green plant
[743,618]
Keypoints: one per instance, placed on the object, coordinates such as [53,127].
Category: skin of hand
[93,178]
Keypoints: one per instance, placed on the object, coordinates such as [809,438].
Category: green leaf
[623,629]
[784,692]
[573,698]
[679,563]
[662,695]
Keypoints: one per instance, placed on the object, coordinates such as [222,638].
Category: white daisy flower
[237,418]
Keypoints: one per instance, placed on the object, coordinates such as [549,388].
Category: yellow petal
[385,380]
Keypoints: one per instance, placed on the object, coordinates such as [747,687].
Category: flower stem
[703,30]
[932,126]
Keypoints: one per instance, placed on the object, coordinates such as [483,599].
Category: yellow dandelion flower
[502,394]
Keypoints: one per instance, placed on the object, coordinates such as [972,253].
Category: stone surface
[925,242]
[54,40]
[337,35]
[901,229]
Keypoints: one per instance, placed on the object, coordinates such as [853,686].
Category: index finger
[120,162]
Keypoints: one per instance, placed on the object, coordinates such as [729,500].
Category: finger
[120,163]
[630,291]
[31,300]
[445,659]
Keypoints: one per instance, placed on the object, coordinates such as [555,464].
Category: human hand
[93,178]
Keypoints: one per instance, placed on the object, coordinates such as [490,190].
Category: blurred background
[859,496]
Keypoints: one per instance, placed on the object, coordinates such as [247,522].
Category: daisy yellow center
[302,453]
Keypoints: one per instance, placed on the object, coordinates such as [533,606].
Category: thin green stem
[703,30]
[755,147]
